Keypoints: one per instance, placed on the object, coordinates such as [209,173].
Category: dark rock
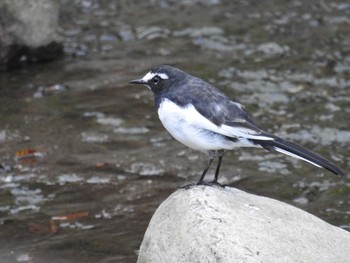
[28,33]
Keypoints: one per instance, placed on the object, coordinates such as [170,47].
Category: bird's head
[160,78]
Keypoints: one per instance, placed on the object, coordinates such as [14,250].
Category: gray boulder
[209,224]
[28,32]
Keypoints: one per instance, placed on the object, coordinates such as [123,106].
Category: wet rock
[199,32]
[152,32]
[28,32]
[209,224]
[94,137]
[146,169]
[43,91]
[272,48]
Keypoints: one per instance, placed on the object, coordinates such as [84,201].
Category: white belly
[189,127]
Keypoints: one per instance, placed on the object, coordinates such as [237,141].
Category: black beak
[138,81]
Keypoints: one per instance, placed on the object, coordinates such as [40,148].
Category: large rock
[209,224]
[28,32]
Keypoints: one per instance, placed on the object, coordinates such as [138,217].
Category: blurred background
[84,160]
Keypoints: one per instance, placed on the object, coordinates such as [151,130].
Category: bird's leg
[220,154]
[205,170]
[200,182]
[217,170]
[212,155]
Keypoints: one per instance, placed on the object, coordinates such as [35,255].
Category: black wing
[214,105]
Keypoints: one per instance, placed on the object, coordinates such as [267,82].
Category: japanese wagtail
[201,117]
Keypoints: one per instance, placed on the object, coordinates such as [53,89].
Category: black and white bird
[201,117]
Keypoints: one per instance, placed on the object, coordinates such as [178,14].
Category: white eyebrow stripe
[163,75]
[150,76]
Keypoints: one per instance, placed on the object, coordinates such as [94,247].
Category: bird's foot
[187,186]
[212,183]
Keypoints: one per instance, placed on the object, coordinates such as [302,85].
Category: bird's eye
[155,80]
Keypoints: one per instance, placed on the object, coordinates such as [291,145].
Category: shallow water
[98,153]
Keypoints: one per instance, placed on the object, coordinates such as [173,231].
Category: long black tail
[297,151]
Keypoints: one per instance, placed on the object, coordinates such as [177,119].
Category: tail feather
[299,152]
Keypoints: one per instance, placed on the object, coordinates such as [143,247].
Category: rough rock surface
[209,224]
[28,32]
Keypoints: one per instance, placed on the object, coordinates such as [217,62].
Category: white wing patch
[193,117]
[185,124]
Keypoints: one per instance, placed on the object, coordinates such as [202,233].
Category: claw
[213,183]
